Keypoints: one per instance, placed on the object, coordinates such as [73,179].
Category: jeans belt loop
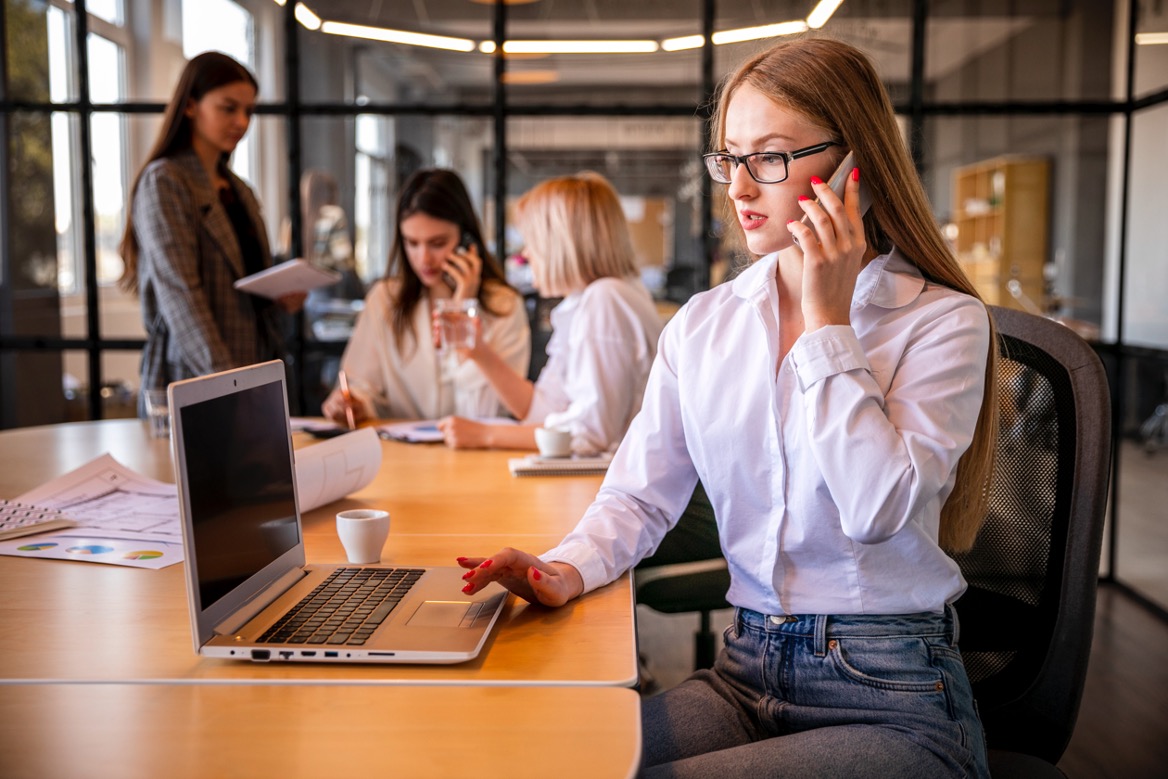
[820,635]
[954,624]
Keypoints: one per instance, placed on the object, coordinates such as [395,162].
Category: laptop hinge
[232,624]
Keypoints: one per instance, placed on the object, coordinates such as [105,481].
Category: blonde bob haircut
[833,85]
[577,228]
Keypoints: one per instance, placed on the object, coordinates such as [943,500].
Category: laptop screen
[240,477]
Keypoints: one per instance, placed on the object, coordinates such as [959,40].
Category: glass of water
[456,324]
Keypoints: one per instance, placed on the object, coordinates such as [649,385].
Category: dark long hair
[440,194]
[209,70]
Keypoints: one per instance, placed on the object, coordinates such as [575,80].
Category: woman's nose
[742,185]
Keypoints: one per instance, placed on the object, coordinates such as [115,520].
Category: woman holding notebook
[194,228]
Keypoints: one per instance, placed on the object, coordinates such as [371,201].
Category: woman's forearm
[514,390]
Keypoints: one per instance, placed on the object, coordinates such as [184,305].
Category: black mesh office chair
[1028,615]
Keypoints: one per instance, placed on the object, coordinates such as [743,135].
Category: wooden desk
[134,730]
[72,621]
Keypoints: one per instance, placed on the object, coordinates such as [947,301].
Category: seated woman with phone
[392,363]
[836,400]
[604,333]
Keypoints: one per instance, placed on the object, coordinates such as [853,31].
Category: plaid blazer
[188,258]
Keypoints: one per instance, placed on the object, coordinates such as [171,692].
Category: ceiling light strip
[580,47]
[398,36]
[822,12]
[1150,38]
[754,33]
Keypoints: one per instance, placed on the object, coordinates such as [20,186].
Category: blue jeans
[814,695]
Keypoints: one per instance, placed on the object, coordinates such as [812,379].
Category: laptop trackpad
[445,614]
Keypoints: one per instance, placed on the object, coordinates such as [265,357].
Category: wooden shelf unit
[1002,212]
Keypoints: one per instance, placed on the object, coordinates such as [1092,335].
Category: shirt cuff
[825,352]
[538,410]
[583,559]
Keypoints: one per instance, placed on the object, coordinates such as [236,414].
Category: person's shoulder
[500,298]
[382,294]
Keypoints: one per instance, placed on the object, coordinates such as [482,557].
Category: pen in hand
[348,398]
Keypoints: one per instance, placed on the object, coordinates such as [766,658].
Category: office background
[1077,86]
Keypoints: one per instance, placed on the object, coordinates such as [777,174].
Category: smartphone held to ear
[837,182]
[464,243]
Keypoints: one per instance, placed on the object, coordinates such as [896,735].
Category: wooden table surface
[74,621]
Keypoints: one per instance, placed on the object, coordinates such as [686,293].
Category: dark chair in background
[1028,615]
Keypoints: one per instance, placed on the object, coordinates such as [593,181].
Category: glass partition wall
[1037,128]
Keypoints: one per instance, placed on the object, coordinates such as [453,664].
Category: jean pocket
[896,663]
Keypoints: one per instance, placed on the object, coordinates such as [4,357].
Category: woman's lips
[751,220]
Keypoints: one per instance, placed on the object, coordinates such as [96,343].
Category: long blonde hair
[833,85]
[576,225]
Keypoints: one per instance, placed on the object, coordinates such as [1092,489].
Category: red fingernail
[467,575]
[803,197]
[816,180]
[535,574]
[486,564]
[790,221]
[468,588]
[855,174]
[461,559]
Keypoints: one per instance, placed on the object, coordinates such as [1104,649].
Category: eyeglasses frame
[788,158]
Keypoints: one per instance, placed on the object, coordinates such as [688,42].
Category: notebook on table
[250,593]
[575,465]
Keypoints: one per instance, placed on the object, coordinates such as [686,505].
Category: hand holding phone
[838,181]
[463,252]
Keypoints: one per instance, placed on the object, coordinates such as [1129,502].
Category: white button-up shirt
[604,338]
[827,471]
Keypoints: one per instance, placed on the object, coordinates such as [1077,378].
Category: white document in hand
[286,278]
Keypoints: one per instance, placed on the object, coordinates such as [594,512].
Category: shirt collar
[888,281]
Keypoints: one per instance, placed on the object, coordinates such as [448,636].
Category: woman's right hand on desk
[552,584]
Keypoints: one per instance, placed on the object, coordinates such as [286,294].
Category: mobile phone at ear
[464,243]
[839,179]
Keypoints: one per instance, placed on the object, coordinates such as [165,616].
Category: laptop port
[285,654]
[330,654]
[308,654]
[261,654]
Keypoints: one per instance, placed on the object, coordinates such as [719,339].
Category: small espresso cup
[552,442]
[363,533]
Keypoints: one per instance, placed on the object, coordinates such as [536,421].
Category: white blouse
[827,472]
[604,338]
[413,383]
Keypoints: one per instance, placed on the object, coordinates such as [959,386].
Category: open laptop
[247,582]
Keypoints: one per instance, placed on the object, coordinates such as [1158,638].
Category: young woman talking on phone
[836,401]
[392,362]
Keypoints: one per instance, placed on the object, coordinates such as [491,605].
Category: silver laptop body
[244,546]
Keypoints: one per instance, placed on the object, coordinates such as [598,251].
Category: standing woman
[194,229]
[392,363]
[837,402]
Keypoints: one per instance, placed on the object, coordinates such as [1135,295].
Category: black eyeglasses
[765,167]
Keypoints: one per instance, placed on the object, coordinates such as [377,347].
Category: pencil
[348,397]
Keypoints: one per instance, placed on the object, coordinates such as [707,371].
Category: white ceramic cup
[552,442]
[363,533]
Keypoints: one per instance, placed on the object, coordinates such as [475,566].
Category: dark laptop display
[243,502]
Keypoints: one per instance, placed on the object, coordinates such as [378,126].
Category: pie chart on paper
[90,549]
[144,554]
[36,547]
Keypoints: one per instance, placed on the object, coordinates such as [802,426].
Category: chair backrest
[1028,616]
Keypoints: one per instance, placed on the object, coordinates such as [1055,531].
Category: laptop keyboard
[345,608]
